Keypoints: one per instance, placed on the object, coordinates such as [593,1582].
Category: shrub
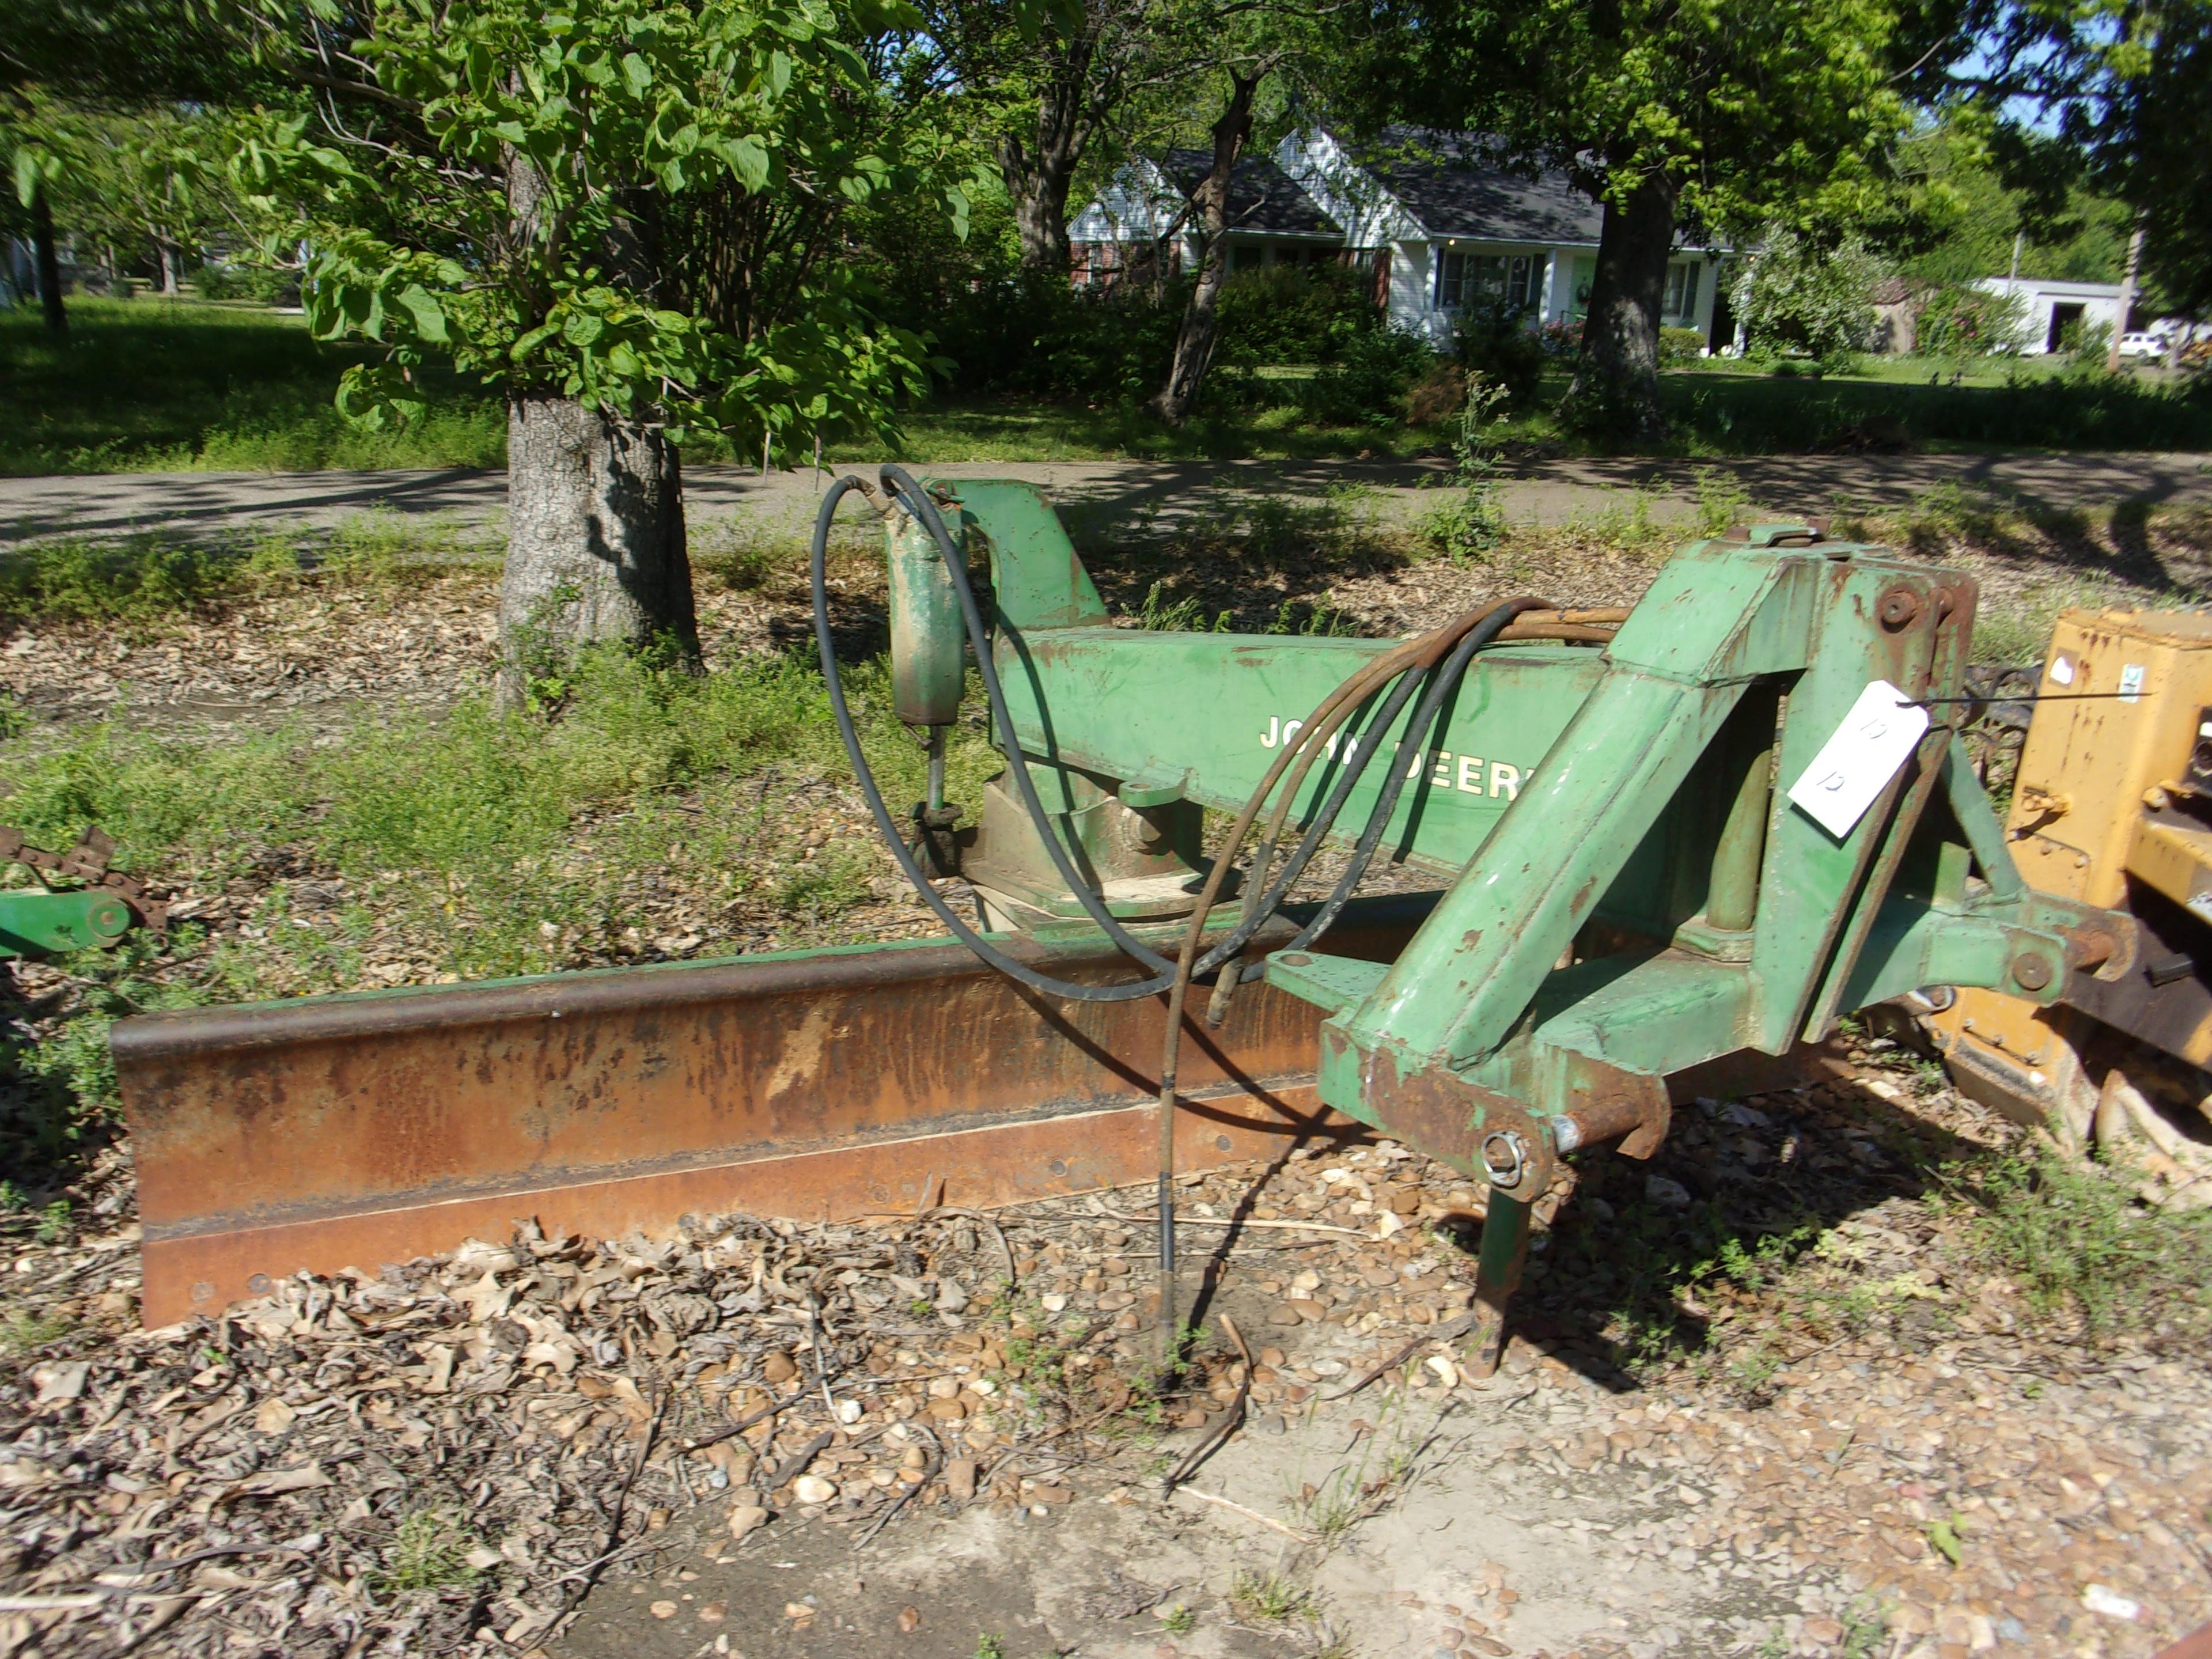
[2086,341]
[1036,337]
[1970,322]
[256,282]
[1368,384]
[1294,314]
[1494,340]
[1794,294]
[1678,346]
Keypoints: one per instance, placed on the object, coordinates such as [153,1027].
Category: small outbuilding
[2049,308]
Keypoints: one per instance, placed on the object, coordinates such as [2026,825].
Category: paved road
[1551,492]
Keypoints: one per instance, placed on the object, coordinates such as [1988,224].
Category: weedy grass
[2073,1237]
[148,385]
[490,844]
[141,585]
[1271,1597]
[428,1551]
[21,1333]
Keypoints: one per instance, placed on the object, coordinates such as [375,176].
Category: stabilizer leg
[1503,1253]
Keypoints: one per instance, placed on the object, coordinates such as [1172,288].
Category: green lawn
[152,386]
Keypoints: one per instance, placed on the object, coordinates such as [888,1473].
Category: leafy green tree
[1716,116]
[626,216]
[152,180]
[1042,84]
[1961,217]
[98,57]
[2123,83]
[1791,293]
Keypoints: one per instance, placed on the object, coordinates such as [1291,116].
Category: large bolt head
[1898,608]
[1505,1157]
[2030,971]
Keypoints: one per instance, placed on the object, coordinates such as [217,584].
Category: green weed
[1722,503]
[990,1646]
[140,580]
[20,1332]
[1944,1536]
[429,1552]
[1866,1626]
[1754,1371]
[1269,1596]
[1179,1620]
[1184,616]
[1468,528]
[2071,1235]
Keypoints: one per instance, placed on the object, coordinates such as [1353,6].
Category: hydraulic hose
[1439,658]
[1407,664]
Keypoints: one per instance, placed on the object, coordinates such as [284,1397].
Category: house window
[1451,280]
[1506,279]
[1243,255]
[1681,298]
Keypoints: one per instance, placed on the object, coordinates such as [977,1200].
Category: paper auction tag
[1860,758]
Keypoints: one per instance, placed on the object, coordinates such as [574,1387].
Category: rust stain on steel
[352,1131]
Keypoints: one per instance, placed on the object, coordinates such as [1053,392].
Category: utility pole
[2127,296]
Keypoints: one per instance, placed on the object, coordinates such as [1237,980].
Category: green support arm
[1631,891]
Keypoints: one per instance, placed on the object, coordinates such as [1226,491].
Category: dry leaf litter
[443,1456]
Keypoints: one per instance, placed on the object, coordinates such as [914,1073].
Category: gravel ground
[1871,1448]
[1864,1441]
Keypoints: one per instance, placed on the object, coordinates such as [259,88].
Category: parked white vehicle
[2148,347]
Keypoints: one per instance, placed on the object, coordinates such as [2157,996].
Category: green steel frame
[1631,891]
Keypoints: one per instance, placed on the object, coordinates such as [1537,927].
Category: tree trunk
[595,541]
[1038,185]
[1039,170]
[2127,296]
[1200,330]
[1616,387]
[169,263]
[46,261]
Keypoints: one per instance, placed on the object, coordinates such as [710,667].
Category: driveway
[1544,492]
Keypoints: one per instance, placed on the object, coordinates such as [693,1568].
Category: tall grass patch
[660,814]
[2073,1237]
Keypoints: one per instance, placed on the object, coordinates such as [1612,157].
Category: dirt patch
[1864,1443]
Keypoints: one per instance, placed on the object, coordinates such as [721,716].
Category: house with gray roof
[1435,219]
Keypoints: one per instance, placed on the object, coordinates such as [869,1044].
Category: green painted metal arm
[35,924]
[1588,804]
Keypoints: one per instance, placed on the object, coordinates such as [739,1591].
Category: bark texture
[1039,170]
[48,262]
[2127,297]
[1616,385]
[1200,331]
[595,551]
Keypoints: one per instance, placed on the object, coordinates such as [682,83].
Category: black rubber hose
[867,778]
[1416,737]
[1448,676]
[902,487]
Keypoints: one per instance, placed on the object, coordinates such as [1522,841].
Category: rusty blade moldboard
[352,1131]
